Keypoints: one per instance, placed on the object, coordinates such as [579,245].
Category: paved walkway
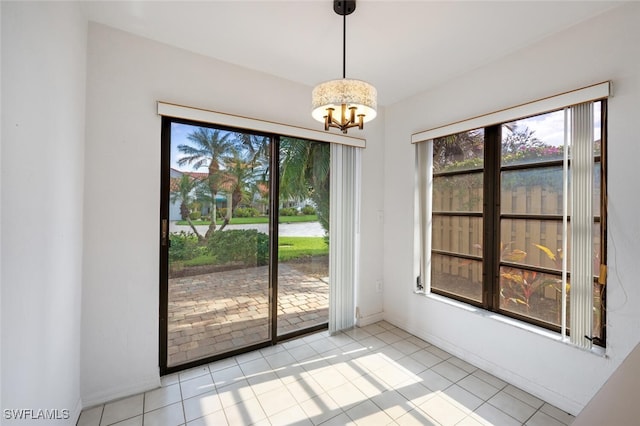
[214,313]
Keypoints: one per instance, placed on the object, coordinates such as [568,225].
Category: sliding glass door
[217,283]
[244,261]
[303,235]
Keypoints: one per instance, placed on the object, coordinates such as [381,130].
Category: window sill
[595,350]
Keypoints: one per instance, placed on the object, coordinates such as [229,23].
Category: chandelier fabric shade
[344,103]
[355,95]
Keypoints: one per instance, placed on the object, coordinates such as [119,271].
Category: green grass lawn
[295,247]
[288,248]
[250,220]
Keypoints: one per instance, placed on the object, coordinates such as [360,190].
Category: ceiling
[401,47]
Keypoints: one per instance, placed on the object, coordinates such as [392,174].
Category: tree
[182,192]
[519,140]
[459,151]
[258,155]
[304,173]
[209,149]
[257,148]
[238,173]
[521,146]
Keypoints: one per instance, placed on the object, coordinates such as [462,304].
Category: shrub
[308,210]
[246,246]
[221,212]
[195,215]
[246,212]
[183,246]
[288,211]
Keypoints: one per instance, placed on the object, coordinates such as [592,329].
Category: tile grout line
[308,351]
[184,412]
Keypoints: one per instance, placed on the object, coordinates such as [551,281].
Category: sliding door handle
[164,232]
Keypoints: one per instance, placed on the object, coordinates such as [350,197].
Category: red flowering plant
[523,291]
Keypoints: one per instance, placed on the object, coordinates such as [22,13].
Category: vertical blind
[581,295]
[343,235]
[423,199]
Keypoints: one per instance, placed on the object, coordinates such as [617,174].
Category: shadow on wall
[616,403]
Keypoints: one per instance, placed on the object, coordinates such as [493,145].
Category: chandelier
[344,103]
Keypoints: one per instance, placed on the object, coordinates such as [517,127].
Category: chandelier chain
[344,46]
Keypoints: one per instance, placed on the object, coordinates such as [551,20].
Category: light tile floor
[375,375]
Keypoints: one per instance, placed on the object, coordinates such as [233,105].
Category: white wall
[126,76]
[42,165]
[1,121]
[603,48]
[616,403]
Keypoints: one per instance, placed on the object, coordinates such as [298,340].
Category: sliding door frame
[274,182]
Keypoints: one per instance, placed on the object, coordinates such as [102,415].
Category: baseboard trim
[104,396]
[369,319]
[545,394]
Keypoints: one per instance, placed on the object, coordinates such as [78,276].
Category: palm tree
[238,174]
[210,146]
[260,188]
[304,173]
[182,191]
[257,147]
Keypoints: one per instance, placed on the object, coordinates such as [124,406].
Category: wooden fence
[519,237]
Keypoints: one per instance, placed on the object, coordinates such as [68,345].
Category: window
[457,216]
[513,219]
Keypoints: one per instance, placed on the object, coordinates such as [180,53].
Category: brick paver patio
[213,313]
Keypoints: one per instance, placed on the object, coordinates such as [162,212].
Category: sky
[549,128]
[179,136]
